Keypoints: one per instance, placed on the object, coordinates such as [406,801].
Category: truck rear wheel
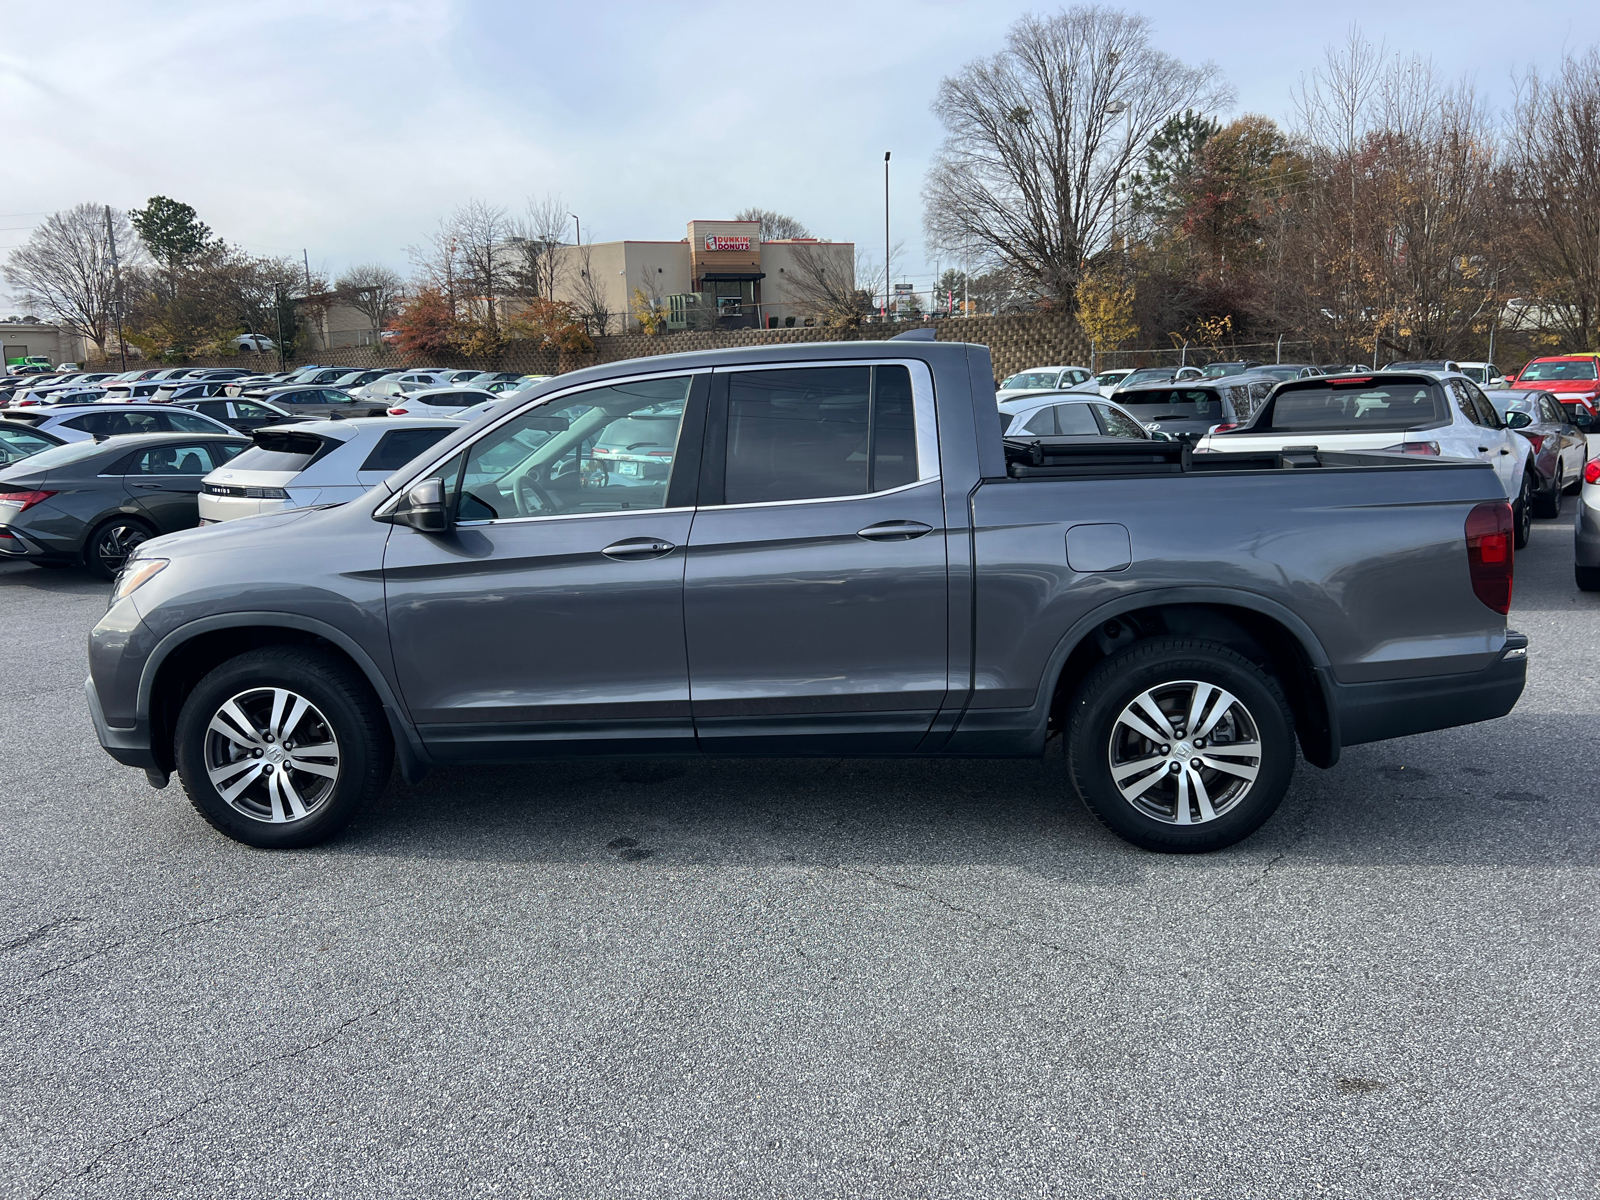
[1180,745]
[281,747]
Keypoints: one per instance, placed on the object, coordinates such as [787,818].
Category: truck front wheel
[1180,745]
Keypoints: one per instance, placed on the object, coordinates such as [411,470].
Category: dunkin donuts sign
[713,242]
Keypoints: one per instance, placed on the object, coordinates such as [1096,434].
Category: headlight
[135,574]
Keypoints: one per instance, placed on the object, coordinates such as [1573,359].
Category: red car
[1574,380]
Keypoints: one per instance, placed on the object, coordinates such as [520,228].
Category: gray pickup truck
[814,550]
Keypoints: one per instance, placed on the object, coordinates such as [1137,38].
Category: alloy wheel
[272,755]
[116,542]
[1184,752]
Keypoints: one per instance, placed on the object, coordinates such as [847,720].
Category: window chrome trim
[904,487]
[500,419]
[610,512]
[925,413]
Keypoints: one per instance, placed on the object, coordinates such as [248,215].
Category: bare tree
[1555,144]
[1040,138]
[824,287]
[538,267]
[589,295]
[65,269]
[774,226]
[373,290]
[438,264]
[481,231]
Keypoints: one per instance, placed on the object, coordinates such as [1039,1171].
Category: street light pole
[277,293]
[579,224]
[116,288]
[888,287]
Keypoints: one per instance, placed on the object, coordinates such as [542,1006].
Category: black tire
[108,547]
[1587,578]
[1522,513]
[1173,668]
[342,712]
[1548,503]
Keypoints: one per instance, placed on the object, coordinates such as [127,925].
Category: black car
[1197,408]
[1221,370]
[92,502]
[321,402]
[1283,371]
[241,414]
[19,440]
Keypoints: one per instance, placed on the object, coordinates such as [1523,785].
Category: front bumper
[1391,708]
[130,746]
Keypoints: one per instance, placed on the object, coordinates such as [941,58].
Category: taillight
[24,500]
[1225,427]
[1591,473]
[1413,448]
[1489,554]
[397,412]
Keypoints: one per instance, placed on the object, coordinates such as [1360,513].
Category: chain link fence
[1195,355]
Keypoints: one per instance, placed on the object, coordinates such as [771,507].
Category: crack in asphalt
[208,1098]
[989,922]
[42,931]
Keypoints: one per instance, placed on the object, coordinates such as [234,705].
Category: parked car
[1050,414]
[438,402]
[1586,565]
[1408,412]
[123,393]
[1281,371]
[1439,365]
[1221,370]
[94,502]
[319,462]
[1196,408]
[184,389]
[318,401]
[1108,381]
[242,415]
[355,379]
[1039,379]
[393,387]
[1179,620]
[1149,375]
[1485,374]
[246,343]
[483,378]
[18,440]
[1560,447]
[1571,378]
[91,422]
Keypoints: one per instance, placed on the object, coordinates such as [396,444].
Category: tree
[425,324]
[1105,309]
[1040,137]
[1169,160]
[479,231]
[537,267]
[823,286]
[199,307]
[65,269]
[171,230]
[774,226]
[373,290]
[590,296]
[1555,146]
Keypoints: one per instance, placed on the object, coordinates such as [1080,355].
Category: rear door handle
[634,548]
[894,531]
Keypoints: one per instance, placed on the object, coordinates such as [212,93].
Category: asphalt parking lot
[807,978]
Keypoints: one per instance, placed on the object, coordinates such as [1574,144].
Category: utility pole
[579,225]
[888,288]
[116,287]
[306,258]
[277,308]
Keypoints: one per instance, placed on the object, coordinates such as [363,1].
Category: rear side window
[399,446]
[216,409]
[1358,407]
[812,432]
[173,460]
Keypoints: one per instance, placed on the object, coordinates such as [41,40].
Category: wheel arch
[1261,629]
[186,654]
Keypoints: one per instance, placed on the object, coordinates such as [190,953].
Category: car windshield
[1505,402]
[1219,370]
[1476,374]
[1153,404]
[1570,369]
[1277,372]
[1357,407]
[20,443]
[1148,375]
[1032,379]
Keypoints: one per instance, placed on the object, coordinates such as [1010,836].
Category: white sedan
[439,402]
[317,462]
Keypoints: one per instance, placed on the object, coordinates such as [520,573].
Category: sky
[348,128]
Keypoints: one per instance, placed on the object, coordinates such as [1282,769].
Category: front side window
[252,412]
[606,449]
[813,432]
[1119,424]
[189,423]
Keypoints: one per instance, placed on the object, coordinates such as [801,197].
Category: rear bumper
[1391,708]
[1586,539]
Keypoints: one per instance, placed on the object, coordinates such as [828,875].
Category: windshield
[1032,379]
[1572,369]
[1156,404]
[1218,370]
[1148,375]
[1476,374]
[1277,372]
[1111,377]
[18,443]
[1359,407]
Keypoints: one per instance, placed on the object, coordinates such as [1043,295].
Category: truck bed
[1078,458]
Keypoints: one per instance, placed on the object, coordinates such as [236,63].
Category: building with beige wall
[745,283]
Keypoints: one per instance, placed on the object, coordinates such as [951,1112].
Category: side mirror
[1518,420]
[424,508]
[1159,436]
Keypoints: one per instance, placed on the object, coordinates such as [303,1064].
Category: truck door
[550,617]
[815,591]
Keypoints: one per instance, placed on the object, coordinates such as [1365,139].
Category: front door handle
[894,531]
[148,487]
[634,548]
